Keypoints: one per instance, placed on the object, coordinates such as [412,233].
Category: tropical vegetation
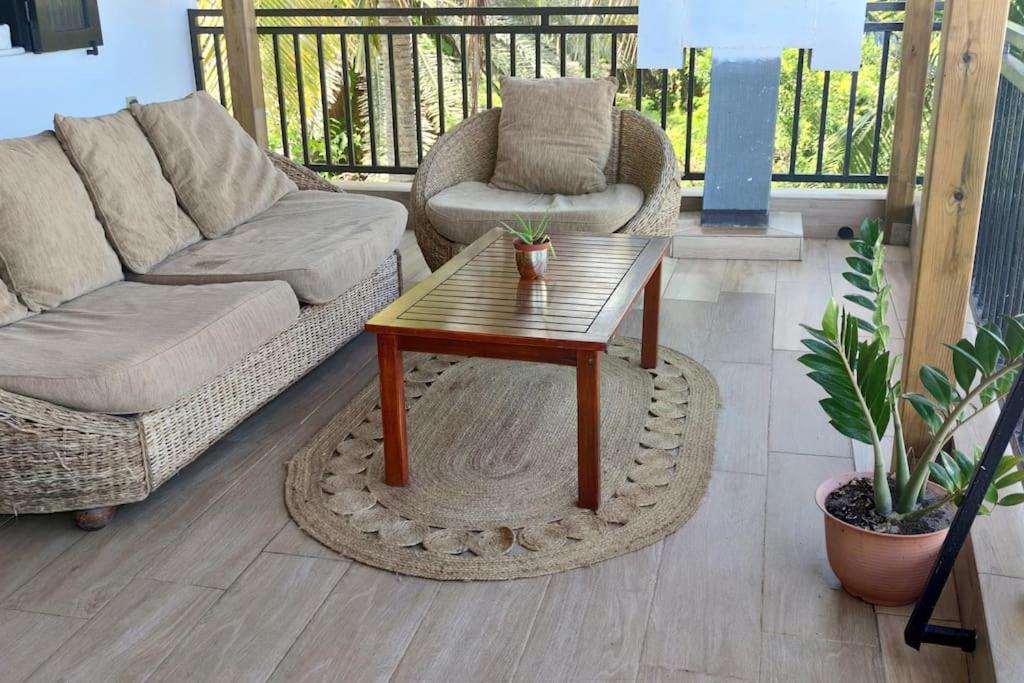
[340,102]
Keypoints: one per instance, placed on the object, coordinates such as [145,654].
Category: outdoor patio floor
[209,579]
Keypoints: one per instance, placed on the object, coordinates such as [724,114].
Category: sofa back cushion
[52,248]
[221,176]
[11,309]
[555,135]
[133,200]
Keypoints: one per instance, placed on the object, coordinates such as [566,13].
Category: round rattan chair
[641,155]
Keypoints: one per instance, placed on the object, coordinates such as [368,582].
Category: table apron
[532,354]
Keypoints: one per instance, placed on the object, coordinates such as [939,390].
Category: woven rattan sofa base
[54,459]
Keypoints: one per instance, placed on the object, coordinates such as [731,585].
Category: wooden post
[906,140]
[244,72]
[973,34]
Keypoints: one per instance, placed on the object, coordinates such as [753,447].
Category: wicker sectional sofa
[210,334]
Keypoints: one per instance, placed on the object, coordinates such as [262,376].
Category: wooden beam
[906,141]
[970,58]
[244,72]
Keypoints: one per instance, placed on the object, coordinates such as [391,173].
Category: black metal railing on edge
[351,91]
[998,287]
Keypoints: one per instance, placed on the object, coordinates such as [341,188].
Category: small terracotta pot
[532,259]
[883,569]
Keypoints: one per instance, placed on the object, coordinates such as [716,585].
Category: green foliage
[849,359]
[529,232]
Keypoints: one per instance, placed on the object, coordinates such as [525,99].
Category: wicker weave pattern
[53,458]
[644,158]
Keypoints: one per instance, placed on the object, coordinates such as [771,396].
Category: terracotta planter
[883,569]
[532,259]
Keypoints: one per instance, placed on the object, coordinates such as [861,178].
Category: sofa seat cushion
[320,243]
[132,348]
[464,212]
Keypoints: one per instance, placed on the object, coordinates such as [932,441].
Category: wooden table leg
[652,305]
[392,410]
[588,404]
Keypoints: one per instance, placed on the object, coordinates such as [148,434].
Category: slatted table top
[589,287]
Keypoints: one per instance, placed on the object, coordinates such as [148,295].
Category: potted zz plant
[884,529]
[532,245]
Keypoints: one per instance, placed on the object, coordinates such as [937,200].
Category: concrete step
[782,240]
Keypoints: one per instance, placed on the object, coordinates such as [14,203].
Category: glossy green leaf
[926,410]
[830,320]
[861,265]
[858,281]
[938,385]
[988,347]
[1012,499]
[965,366]
[1010,479]
[1015,337]
[861,300]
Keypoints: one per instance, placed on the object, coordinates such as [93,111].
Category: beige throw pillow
[133,200]
[555,135]
[11,309]
[221,176]
[52,248]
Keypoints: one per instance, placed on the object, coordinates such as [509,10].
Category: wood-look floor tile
[132,635]
[742,328]
[706,612]
[742,441]
[683,326]
[785,659]
[473,631]
[813,267]
[1004,615]
[658,674]
[930,664]
[797,423]
[797,303]
[751,277]
[250,629]
[362,630]
[29,544]
[801,595]
[292,540]
[27,640]
[695,280]
[592,620]
[218,546]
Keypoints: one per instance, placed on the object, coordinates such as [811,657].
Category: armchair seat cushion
[131,348]
[320,243]
[465,211]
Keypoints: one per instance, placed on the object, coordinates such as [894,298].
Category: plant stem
[900,466]
[919,477]
[915,515]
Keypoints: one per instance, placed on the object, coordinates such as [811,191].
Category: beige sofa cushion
[321,243]
[133,200]
[130,347]
[52,247]
[221,176]
[464,212]
[11,309]
[555,135]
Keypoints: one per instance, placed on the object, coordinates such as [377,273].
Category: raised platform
[782,240]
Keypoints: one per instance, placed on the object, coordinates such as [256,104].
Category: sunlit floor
[209,579]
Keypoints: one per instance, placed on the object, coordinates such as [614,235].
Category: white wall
[145,53]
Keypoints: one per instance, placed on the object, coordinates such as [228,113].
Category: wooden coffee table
[476,305]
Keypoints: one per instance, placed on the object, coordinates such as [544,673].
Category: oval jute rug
[492,456]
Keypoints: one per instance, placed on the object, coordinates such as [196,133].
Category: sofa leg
[94,519]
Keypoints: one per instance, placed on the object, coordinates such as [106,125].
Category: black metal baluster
[615,55]
[197,62]
[367,59]
[219,60]
[303,126]
[823,122]
[536,55]
[465,82]
[440,84]
[416,96]
[797,96]
[323,99]
[487,64]
[282,113]
[561,54]
[883,72]
[586,58]
[394,99]
[350,159]
[512,54]
[690,82]
[639,88]
[664,99]
[849,124]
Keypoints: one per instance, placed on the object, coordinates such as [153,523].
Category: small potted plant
[884,529]
[532,245]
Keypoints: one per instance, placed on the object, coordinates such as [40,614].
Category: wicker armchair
[642,155]
[54,458]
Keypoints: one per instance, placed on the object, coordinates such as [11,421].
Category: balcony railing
[367,91]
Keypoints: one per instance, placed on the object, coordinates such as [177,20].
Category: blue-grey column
[741,137]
